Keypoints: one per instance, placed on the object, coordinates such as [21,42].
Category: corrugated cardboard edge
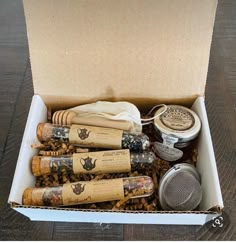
[212,211]
[128,217]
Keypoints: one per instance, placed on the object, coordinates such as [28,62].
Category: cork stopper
[40,131]
[44,131]
[27,196]
[35,165]
[34,196]
[40,165]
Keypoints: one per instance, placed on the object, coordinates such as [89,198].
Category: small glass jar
[175,129]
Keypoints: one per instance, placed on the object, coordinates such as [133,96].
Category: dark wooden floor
[16,91]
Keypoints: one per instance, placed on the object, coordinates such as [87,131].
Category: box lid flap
[91,49]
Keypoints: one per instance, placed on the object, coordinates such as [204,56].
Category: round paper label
[177,118]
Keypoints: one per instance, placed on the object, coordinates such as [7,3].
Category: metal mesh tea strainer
[180,188]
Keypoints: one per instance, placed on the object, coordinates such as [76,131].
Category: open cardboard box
[146,52]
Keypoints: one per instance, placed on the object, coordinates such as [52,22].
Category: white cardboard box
[145,52]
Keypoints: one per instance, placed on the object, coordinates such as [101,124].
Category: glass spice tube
[134,142]
[112,161]
[176,129]
[96,137]
[84,192]
[48,131]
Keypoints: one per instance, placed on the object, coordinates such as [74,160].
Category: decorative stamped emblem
[83,133]
[88,163]
[77,188]
[177,118]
